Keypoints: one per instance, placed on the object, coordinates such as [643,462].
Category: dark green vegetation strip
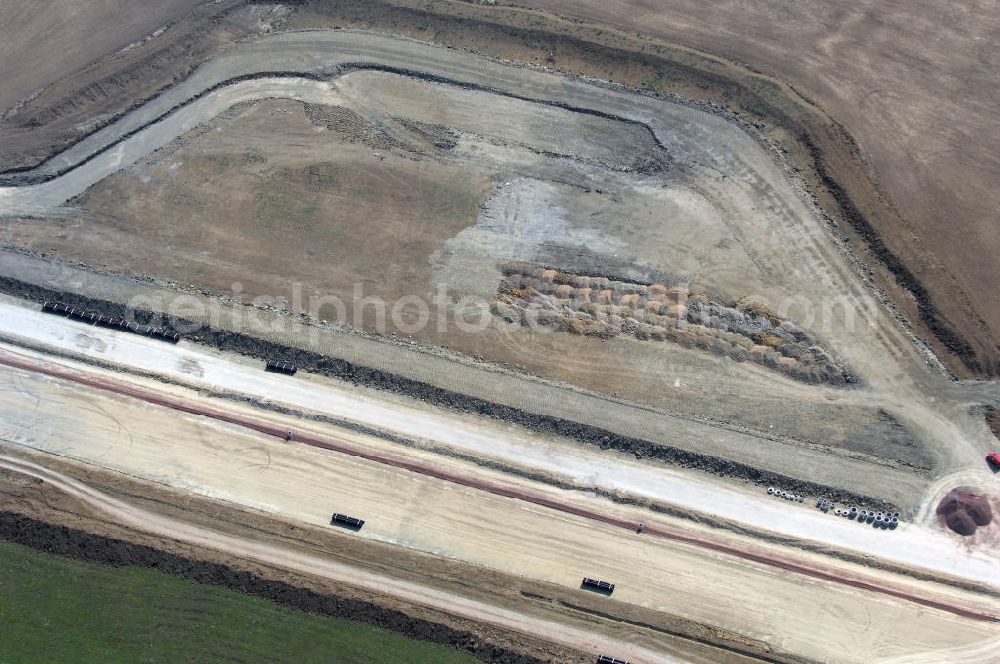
[126,602]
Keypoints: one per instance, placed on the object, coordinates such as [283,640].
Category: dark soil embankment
[68,542]
[373,378]
[929,314]
[100,93]
[27,176]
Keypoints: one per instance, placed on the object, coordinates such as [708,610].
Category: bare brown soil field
[41,44]
[79,94]
[914,86]
[318,209]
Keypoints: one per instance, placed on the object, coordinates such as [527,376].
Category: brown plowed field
[43,44]
[914,85]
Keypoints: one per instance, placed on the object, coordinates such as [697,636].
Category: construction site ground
[262,168]
[868,338]
[889,78]
[944,304]
[503,446]
[295,482]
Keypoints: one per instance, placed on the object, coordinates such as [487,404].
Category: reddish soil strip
[496,489]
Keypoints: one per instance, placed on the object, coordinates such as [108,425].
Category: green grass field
[54,609]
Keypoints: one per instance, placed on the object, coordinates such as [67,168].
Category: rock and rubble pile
[352,126]
[605,308]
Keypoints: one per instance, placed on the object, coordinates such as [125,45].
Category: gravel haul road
[264,428]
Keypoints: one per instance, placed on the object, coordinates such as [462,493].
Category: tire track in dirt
[575,639]
[490,487]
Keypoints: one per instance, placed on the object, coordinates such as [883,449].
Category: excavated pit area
[399,203]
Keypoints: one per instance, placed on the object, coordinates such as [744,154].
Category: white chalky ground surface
[910,544]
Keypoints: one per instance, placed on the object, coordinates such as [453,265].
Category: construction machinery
[599,586]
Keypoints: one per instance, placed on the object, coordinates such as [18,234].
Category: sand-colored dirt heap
[603,307]
[963,511]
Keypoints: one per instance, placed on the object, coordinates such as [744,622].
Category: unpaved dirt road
[424,513]
[152,522]
[296,437]
[922,545]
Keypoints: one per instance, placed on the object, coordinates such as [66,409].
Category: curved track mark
[115,387]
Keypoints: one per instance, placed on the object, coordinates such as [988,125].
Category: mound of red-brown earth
[963,511]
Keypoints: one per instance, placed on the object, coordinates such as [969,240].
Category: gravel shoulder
[450,523]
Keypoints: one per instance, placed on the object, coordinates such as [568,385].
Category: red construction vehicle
[994,460]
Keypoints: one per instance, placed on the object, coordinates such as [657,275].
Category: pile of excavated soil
[963,511]
[604,308]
